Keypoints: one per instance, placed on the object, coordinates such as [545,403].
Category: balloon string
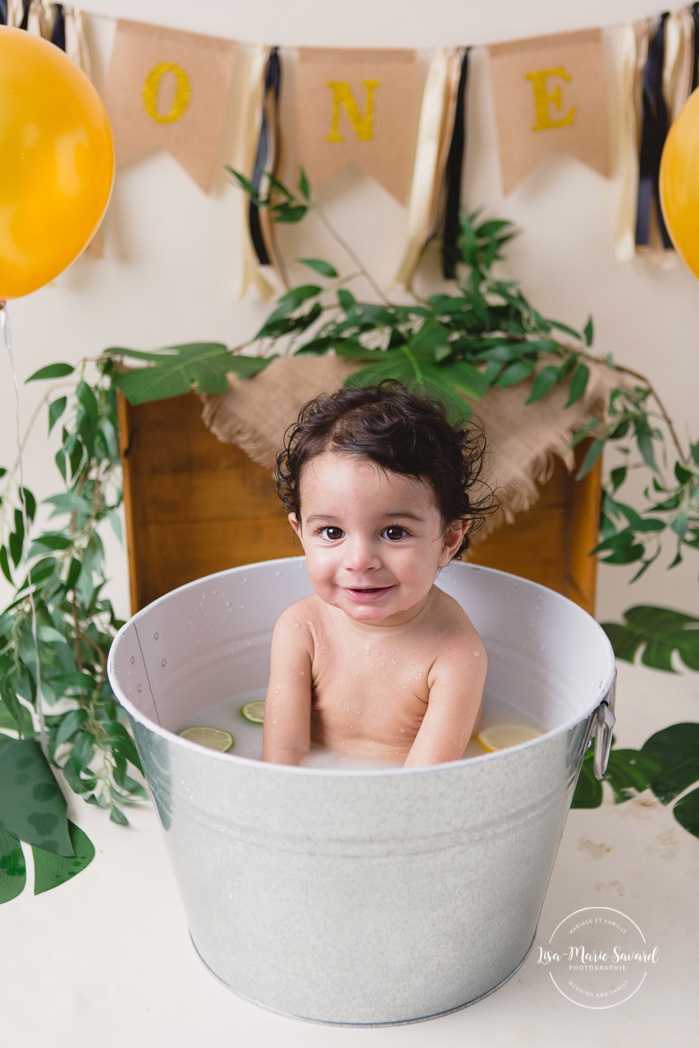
[7,338]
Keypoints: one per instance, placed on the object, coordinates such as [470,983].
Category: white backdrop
[171,267]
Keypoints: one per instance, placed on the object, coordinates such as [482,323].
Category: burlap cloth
[522,440]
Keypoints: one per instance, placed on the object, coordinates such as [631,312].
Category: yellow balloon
[679,182]
[56,162]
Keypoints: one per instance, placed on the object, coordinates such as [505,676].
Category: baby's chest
[367,678]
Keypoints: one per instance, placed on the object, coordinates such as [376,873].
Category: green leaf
[52,371]
[686,811]
[515,373]
[349,349]
[578,384]
[5,564]
[629,772]
[589,332]
[50,540]
[13,869]
[657,633]
[64,683]
[243,182]
[174,371]
[676,752]
[431,336]
[17,538]
[70,723]
[588,789]
[591,455]
[51,870]
[292,299]
[544,382]
[466,377]
[319,266]
[33,807]
[346,299]
[289,212]
[618,476]
[29,503]
[56,409]
[304,185]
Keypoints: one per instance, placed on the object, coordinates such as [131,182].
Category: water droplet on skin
[277,573]
[163,662]
[132,659]
[139,687]
[155,636]
[476,653]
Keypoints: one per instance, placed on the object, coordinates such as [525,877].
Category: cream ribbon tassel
[432,132]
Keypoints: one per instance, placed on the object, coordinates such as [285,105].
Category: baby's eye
[394,532]
[331,533]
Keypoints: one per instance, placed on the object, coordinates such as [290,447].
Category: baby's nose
[361,554]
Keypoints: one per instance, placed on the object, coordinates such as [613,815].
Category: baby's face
[373,540]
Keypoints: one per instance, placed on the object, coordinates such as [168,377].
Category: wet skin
[378,662]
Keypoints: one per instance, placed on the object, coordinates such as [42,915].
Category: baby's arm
[456,682]
[287,724]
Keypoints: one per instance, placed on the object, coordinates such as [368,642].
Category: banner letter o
[151,86]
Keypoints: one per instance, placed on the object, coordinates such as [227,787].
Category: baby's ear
[293,520]
[453,537]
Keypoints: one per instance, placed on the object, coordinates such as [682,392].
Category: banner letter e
[544,98]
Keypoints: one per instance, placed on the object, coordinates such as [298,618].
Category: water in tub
[498,718]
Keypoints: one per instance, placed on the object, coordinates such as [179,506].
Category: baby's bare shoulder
[450,612]
[299,616]
[460,639]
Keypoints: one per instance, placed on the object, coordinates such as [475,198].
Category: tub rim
[606,688]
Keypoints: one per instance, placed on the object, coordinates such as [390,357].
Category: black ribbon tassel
[272,85]
[653,134]
[58,33]
[453,174]
[694,11]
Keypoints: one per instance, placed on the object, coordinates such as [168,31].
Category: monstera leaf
[34,811]
[657,633]
[203,366]
[667,764]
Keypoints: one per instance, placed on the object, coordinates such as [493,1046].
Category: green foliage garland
[58,712]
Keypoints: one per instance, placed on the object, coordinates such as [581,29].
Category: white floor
[106,959]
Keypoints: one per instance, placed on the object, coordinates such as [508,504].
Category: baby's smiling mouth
[366,592]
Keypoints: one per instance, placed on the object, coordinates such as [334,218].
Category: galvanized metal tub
[361,898]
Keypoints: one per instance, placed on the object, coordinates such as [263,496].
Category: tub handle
[603,721]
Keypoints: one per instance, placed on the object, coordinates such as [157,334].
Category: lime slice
[213,738]
[502,736]
[254,711]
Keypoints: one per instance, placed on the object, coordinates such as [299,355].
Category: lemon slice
[213,738]
[502,736]
[254,711]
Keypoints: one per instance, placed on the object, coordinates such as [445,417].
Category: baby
[378,662]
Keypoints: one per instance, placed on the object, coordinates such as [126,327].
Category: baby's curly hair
[402,433]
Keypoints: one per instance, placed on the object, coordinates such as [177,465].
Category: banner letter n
[362,124]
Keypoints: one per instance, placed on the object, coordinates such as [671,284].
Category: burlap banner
[357,107]
[550,95]
[168,90]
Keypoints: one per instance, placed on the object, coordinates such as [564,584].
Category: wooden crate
[194,506]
